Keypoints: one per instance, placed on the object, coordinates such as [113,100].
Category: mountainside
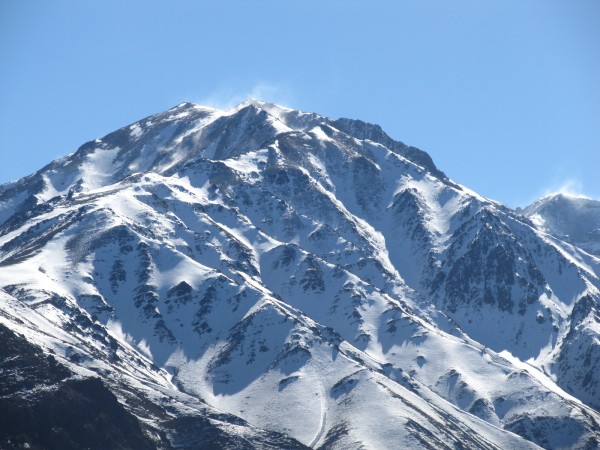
[571,218]
[57,411]
[267,278]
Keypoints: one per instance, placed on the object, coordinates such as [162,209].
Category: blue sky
[504,95]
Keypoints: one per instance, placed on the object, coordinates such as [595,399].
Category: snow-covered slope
[574,219]
[285,276]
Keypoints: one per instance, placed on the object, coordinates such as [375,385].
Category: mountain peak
[190,132]
[561,199]
[571,217]
[567,196]
[202,260]
[267,106]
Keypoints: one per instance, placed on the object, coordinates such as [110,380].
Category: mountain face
[58,412]
[573,219]
[267,278]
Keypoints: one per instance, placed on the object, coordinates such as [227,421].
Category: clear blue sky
[504,94]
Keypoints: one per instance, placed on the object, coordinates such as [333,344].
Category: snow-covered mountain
[572,218]
[262,277]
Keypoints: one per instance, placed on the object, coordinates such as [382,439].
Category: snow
[248,163]
[255,274]
[136,130]
[538,221]
[443,204]
[320,135]
[97,170]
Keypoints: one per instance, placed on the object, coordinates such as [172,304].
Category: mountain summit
[575,219]
[262,277]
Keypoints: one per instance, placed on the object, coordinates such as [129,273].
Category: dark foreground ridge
[44,407]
